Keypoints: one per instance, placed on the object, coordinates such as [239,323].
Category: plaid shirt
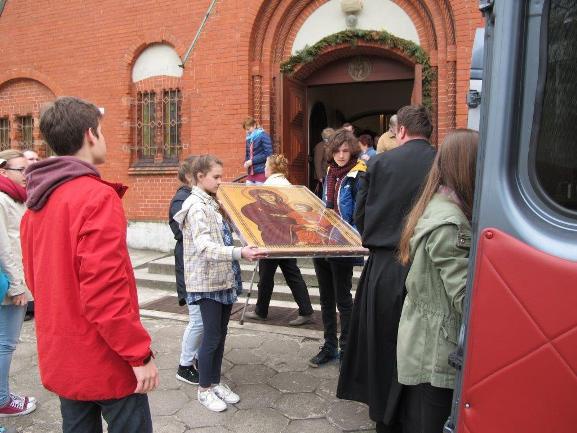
[228,296]
[207,259]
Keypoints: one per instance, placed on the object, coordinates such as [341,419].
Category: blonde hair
[278,163]
[454,167]
[9,154]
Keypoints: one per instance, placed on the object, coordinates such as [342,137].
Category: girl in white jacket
[13,308]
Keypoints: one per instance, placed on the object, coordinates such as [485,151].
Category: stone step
[281,292]
[165,266]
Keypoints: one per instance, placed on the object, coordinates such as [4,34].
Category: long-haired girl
[212,275]
[13,306]
[435,242]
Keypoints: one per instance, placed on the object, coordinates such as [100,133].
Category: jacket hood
[195,194]
[440,211]
[43,177]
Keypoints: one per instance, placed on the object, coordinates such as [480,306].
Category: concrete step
[165,266]
[281,292]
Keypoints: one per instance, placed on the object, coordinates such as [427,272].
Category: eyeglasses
[21,170]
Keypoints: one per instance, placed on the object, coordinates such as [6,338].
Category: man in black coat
[386,193]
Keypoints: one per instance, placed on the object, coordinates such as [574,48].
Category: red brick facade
[88,50]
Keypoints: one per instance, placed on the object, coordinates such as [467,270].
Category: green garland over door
[413,51]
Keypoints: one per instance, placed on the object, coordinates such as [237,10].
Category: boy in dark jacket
[93,351]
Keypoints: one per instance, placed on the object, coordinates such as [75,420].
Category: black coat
[387,191]
[175,205]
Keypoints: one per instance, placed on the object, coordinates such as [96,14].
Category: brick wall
[88,49]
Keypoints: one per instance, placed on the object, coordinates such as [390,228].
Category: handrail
[240,178]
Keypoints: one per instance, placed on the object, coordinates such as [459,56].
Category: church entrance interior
[364,90]
[366,105]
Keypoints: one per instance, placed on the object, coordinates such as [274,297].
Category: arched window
[158,106]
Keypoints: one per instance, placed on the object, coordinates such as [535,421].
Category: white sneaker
[224,392]
[210,400]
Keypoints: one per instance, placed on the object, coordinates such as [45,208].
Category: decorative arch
[277,23]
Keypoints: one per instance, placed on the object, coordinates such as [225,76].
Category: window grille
[158,126]
[146,126]
[26,129]
[171,107]
[4,133]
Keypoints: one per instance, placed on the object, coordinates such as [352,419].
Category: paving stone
[164,403]
[175,407]
[294,382]
[226,365]
[245,374]
[289,362]
[243,356]
[257,421]
[219,429]
[244,341]
[256,396]
[349,416]
[167,361]
[310,426]
[281,347]
[194,415]
[330,370]
[167,424]
[327,389]
[301,406]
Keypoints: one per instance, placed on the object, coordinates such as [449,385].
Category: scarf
[334,179]
[15,191]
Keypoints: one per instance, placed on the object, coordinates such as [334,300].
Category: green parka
[431,317]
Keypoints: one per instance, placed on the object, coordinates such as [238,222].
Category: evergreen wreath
[408,48]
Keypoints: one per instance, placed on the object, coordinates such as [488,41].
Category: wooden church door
[294,128]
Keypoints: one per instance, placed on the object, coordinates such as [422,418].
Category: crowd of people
[410,202]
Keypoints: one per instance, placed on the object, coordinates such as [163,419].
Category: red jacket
[77,266]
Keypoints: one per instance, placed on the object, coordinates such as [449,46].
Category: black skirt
[369,366]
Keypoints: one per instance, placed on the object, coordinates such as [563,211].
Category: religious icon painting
[288,221]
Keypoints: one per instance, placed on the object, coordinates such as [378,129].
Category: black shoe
[187,374]
[325,355]
[28,316]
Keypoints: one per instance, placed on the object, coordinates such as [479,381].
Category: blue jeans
[11,319]
[215,319]
[192,336]
[125,415]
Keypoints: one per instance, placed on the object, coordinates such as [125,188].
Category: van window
[555,126]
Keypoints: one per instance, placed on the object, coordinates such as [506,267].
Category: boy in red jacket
[92,348]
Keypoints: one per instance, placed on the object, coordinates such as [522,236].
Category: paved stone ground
[279,391]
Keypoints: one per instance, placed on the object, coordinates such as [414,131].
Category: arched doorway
[361,85]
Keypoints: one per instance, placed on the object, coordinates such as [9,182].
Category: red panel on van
[520,372]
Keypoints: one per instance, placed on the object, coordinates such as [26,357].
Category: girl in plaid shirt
[212,276]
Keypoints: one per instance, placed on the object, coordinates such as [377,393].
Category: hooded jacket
[431,317]
[261,150]
[77,266]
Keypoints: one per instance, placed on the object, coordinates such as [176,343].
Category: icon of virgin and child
[284,223]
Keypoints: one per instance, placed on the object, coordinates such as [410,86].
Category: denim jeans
[125,415]
[192,336]
[335,282]
[11,319]
[215,318]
